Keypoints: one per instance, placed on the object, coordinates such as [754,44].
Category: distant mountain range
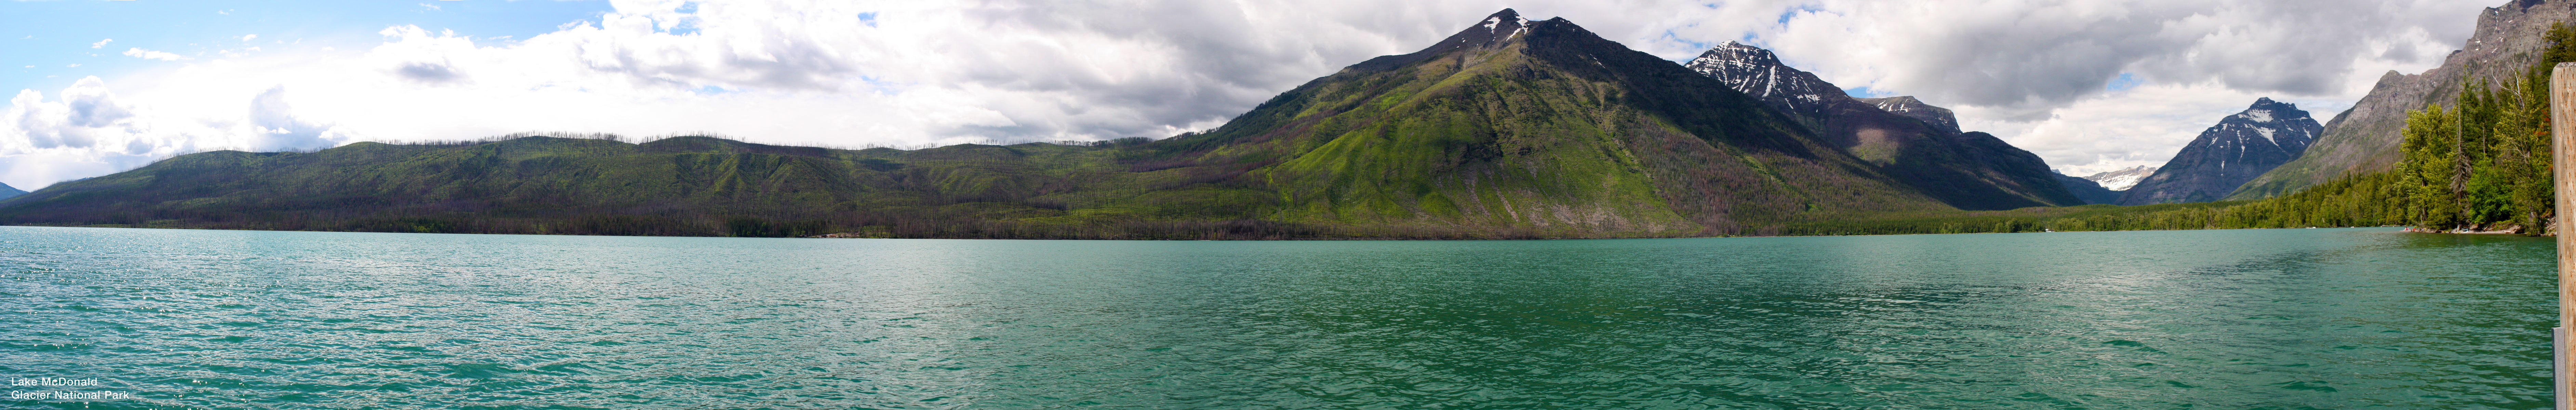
[2121,179]
[2105,187]
[2242,146]
[7,191]
[2091,192]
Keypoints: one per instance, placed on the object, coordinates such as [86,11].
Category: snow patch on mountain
[1758,72]
[2121,180]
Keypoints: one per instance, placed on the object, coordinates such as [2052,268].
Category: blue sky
[2093,85]
[53,35]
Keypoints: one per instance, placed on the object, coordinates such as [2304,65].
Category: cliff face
[2364,139]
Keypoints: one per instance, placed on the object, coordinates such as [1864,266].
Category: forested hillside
[679,186]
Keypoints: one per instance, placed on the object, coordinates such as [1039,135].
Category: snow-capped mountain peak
[2121,180]
[1758,72]
[2242,146]
[1494,23]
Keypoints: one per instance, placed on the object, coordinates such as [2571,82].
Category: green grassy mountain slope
[1510,129]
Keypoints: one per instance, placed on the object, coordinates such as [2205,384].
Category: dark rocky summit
[1906,105]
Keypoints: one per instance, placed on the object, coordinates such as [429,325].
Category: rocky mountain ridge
[1759,73]
[1940,118]
[1915,142]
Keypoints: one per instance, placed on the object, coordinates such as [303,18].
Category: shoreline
[834,236]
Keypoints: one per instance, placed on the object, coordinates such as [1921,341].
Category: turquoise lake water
[2233,319]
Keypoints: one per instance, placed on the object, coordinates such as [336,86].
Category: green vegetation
[1546,133]
[1553,134]
[2342,203]
[687,186]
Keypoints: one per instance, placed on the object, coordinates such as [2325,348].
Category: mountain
[1940,118]
[1918,143]
[2122,179]
[2091,192]
[676,186]
[2365,138]
[1757,72]
[1511,128]
[2241,147]
[7,191]
[1546,126]
[2105,187]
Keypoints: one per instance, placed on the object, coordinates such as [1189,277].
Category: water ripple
[2284,319]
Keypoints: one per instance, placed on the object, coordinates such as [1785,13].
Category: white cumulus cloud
[139,52]
[90,130]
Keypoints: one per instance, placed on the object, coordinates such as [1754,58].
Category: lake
[2233,319]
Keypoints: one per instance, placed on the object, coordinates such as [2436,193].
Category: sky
[108,86]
